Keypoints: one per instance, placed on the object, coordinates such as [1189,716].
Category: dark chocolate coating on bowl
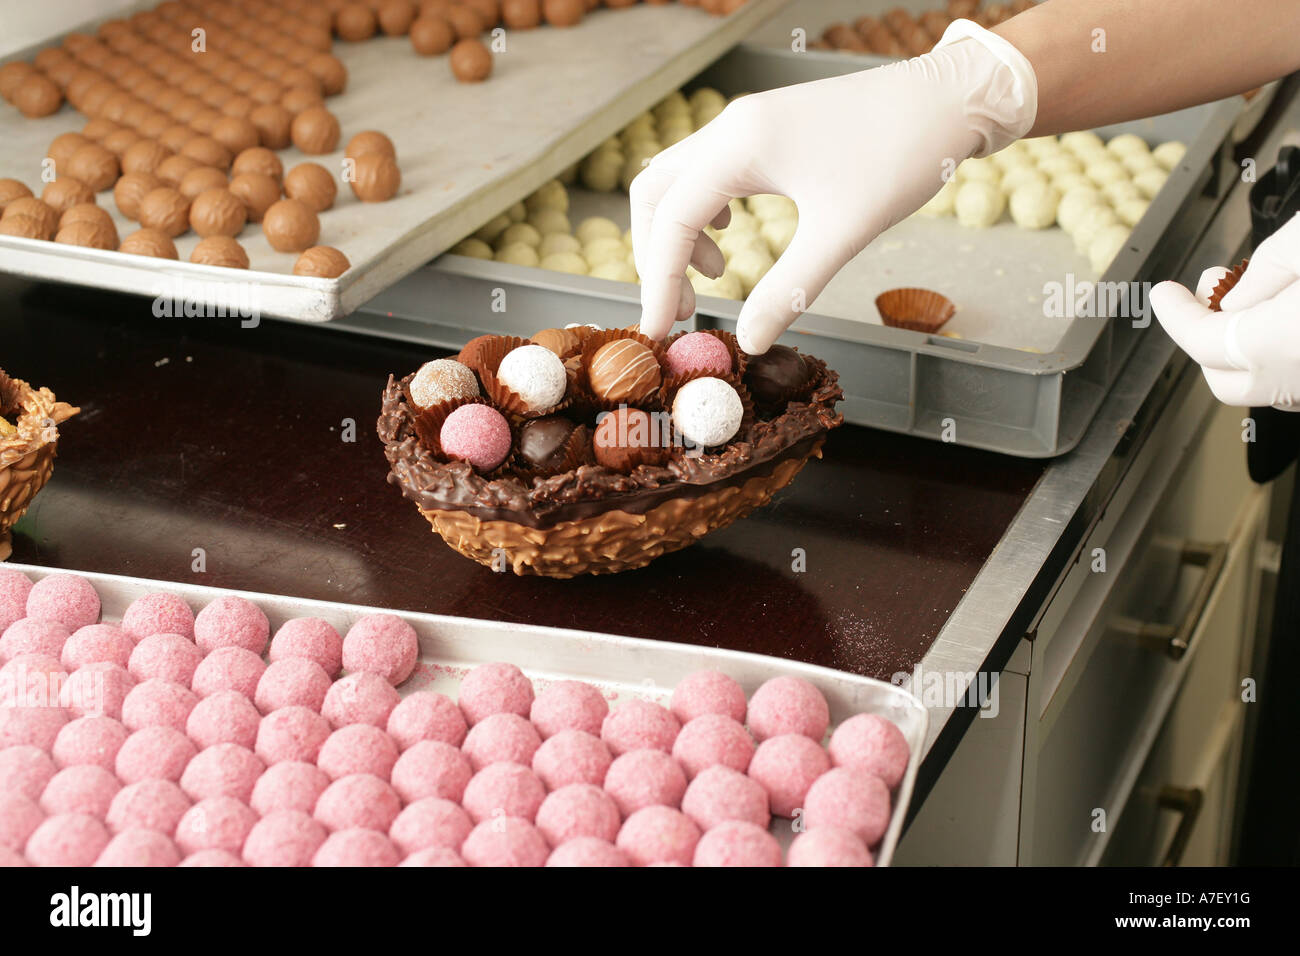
[542,441]
[776,374]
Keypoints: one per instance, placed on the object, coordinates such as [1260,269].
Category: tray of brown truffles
[592,451]
[293,159]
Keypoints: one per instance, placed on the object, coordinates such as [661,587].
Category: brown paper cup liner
[506,400]
[1226,285]
[591,345]
[470,354]
[917,309]
[739,359]
[746,400]
[27,454]
[577,452]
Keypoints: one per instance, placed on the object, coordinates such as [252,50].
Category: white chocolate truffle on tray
[597,227]
[675,130]
[1121,190]
[1033,205]
[641,127]
[1012,155]
[979,204]
[1137,163]
[1090,225]
[518,254]
[603,250]
[1068,181]
[743,221]
[601,170]
[1151,182]
[524,232]
[1103,171]
[734,243]
[550,220]
[535,374]
[750,265]
[674,104]
[491,230]
[1017,176]
[1074,204]
[474,248]
[1060,164]
[1126,144]
[615,270]
[1106,245]
[1082,141]
[768,206]
[569,262]
[979,171]
[779,233]
[1041,145]
[726,286]
[706,98]
[554,242]
[550,195]
[1169,154]
[518,212]
[942,202]
[1131,210]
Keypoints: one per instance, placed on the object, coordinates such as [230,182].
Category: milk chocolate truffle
[131,189]
[119,142]
[315,131]
[273,122]
[312,185]
[11,189]
[354,22]
[443,380]
[94,165]
[521,14]
[63,146]
[321,262]
[206,151]
[144,156]
[290,226]
[176,136]
[96,130]
[624,371]
[543,442]
[149,242]
[563,13]
[66,191]
[87,212]
[12,75]
[89,234]
[329,72]
[236,134]
[200,179]
[173,169]
[300,99]
[776,375]
[24,227]
[37,96]
[470,61]
[489,11]
[220,251]
[369,141]
[559,341]
[259,159]
[218,212]
[465,22]
[431,35]
[257,192]
[628,437]
[396,17]
[30,207]
[166,210]
[375,177]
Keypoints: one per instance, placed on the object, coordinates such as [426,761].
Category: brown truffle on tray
[166,210]
[290,226]
[315,131]
[220,251]
[66,191]
[149,242]
[218,212]
[321,262]
[312,185]
[375,177]
[257,192]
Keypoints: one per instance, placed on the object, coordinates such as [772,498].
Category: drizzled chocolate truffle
[624,371]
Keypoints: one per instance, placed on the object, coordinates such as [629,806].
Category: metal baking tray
[1014,381]
[623,667]
[466,150]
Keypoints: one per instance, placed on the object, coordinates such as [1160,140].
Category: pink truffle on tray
[154,752]
[737,843]
[19,818]
[69,839]
[872,743]
[432,769]
[637,725]
[358,748]
[658,835]
[427,716]
[31,680]
[587,852]
[31,636]
[719,793]
[382,644]
[158,703]
[81,789]
[95,689]
[360,698]
[713,739]
[228,668]
[786,766]
[643,778]
[222,770]
[25,769]
[89,740]
[169,657]
[158,613]
[499,737]
[578,810]
[293,682]
[358,800]
[311,638]
[97,644]
[217,823]
[67,598]
[503,789]
[573,756]
[227,717]
[852,799]
[430,822]
[38,726]
[148,804]
[788,705]
[231,622]
[9,859]
[434,856]
[284,838]
[497,688]
[828,846]
[139,848]
[505,841]
[569,705]
[212,858]
[357,847]
[291,785]
[708,692]
[291,733]
[14,588]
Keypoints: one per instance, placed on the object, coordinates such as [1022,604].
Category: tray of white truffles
[1036,246]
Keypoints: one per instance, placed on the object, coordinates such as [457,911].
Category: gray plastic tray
[1031,403]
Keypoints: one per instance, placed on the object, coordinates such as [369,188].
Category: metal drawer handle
[1174,639]
[1186,801]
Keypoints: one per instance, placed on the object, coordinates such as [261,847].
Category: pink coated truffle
[97,690]
[170,657]
[66,598]
[495,688]
[158,703]
[89,740]
[872,743]
[217,823]
[284,838]
[356,847]
[139,848]
[503,789]
[587,852]
[19,818]
[291,733]
[737,843]
[505,841]
[713,739]
[639,725]
[14,588]
[573,756]
[698,352]
[786,766]
[478,434]
[222,770]
[10,859]
[432,769]
[358,748]
[228,668]
[427,716]
[97,644]
[569,705]
[645,778]
[719,793]
[158,613]
[310,638]
[434,856]
[291,785]
[212,858]
[360,698]
[70,839]
[30,636]
[160,753]
[25,769]
[788,705]
[81,789]
[231,622]
[828,846]
[292,682]
[382,644]
[578,810]
[358,800]
[848,798]
[658,835]
[499,737]
[227,717]
[708,692]
[148,804]
[38,726]
[429,823]
[32,680]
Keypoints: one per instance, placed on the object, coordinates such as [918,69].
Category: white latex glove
[1250,352]
[856,153]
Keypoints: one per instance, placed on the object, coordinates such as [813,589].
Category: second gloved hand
[856,153]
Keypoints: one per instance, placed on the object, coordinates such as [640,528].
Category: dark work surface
[200,434]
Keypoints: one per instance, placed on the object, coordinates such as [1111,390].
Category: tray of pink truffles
[145,723]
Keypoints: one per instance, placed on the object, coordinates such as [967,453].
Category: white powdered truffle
[569,262]
[1033,205]
[767,206]
[1137,163]
[597,227]
[1070,181]
[1090,225]
[1012,155]
[942,202]
[1169,154]
[474,248]
[1121,190]
[1106,245]
[708,412]
[1059,165]
[1151,182]
[520,232]
[1126,144]
[518,254]
[603,250]
[750,265]
[535,374]
[1082,141]
[1041,145]
[778,234]
[549,220]
[442,380]
[1017,176]
[551,195]
[979,171]
[979,204]
[1131,210]
[614,270]
[1074,204]
[554,242]
[1103,171]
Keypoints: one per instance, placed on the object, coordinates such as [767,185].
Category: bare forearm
[1107,61]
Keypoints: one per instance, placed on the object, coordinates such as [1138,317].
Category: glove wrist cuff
[1001,107]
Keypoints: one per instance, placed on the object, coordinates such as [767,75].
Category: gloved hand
[1250,352]
[856,153]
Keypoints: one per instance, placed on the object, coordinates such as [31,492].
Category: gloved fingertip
[751,339]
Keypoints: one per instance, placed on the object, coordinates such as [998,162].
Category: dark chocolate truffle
[628,437]
[776,375]
[543,442]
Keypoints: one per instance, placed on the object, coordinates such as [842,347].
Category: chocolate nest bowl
[594,520]
[27,451]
